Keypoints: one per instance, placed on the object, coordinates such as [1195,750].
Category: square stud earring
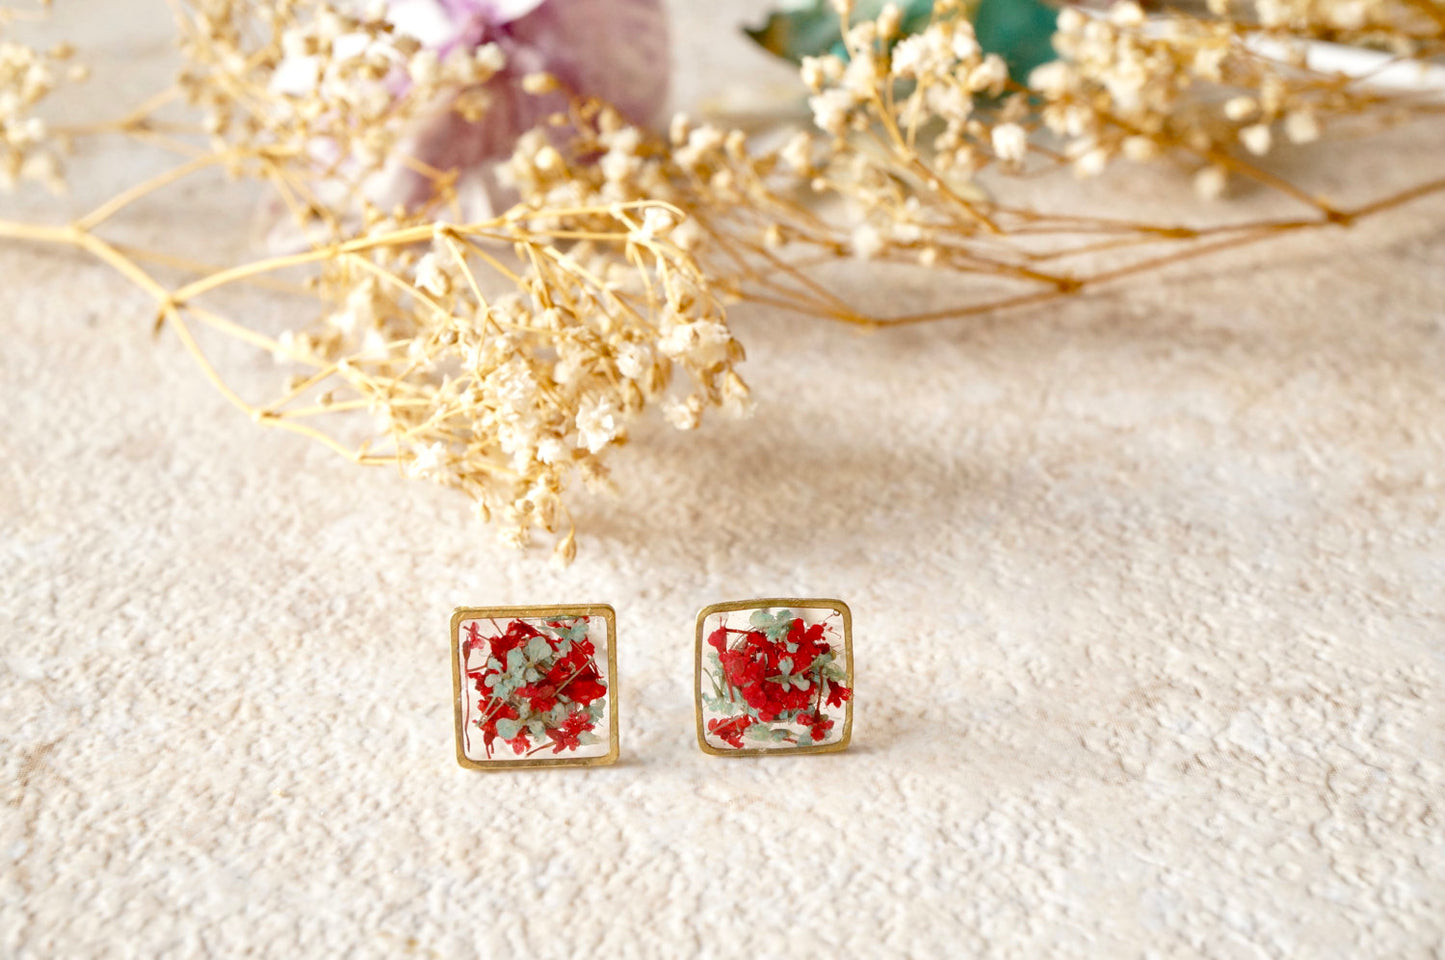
[774,676]
[535,686]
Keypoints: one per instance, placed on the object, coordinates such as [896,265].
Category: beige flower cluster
[318,96]
[1129,86]
[29,151]
[503,358]
[1405,27]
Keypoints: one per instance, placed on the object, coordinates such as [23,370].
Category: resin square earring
[535,686]
[774,676]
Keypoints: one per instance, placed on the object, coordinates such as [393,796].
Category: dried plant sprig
[29,149]
[507,355]
[913,129]
[321,100]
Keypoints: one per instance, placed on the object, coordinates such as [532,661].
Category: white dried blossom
[27,78]
[701,342]
[1301,126]
[656,222]
[833,110]
[684,414]
[867,241]
[598,423]
[1010,142]
[634,360]
[430,276]
[1256,138]
[426,462]
[1210,182]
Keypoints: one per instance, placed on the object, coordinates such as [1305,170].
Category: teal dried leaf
[537,729]
[1020,31]
[812,29]
[516,661]
[507,728]
[537,648]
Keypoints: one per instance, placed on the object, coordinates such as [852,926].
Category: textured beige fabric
[1147,595]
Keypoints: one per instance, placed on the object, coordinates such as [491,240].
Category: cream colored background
[1148,613]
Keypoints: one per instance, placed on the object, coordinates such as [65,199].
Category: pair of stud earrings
[536,686]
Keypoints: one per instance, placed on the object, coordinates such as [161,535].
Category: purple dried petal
[612,50]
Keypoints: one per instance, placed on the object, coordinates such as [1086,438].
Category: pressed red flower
[568,734]
[518,632]
[718,639]
[540,698]
[518,697]
[779,673]
[730,730]
[585,691]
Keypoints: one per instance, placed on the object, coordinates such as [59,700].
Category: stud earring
[535,686]
[774,676]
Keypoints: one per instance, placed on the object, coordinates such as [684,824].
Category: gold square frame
[774,602]
[536,613]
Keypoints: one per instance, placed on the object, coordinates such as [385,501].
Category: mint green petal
[1020,31]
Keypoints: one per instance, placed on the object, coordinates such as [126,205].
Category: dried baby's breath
[508,355]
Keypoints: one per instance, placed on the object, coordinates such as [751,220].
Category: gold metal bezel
[774,602]
[536,613]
